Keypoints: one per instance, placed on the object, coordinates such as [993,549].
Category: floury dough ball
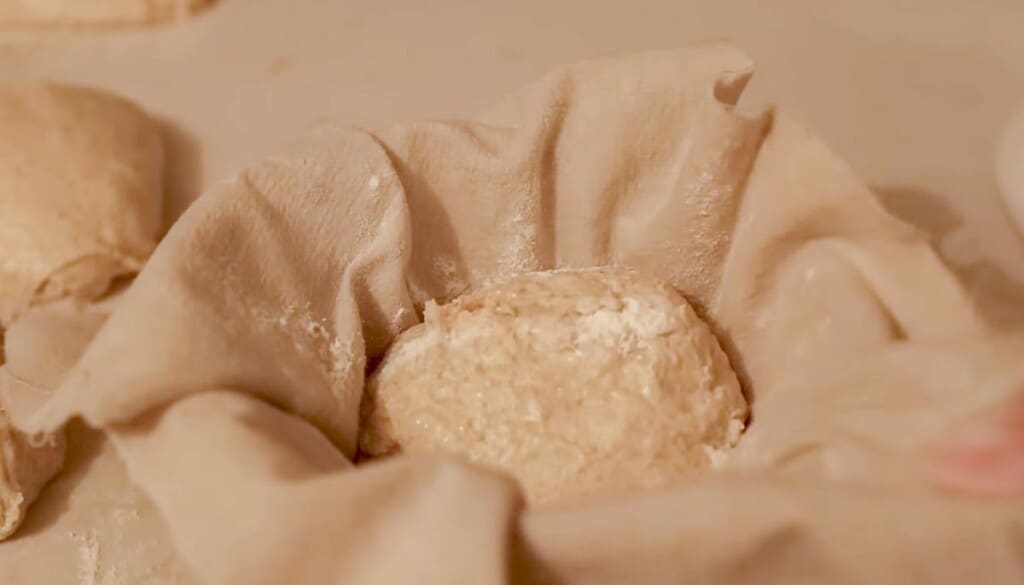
[81,190]
[576,382]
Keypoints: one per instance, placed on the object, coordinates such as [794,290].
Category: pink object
[988,460]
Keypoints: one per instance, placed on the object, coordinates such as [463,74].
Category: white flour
[399,318]
[451,280]
[113,550]
[89,559]
[314,337]
[631,326]
[519,253]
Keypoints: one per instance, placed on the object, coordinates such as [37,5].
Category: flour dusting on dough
[576,382]
[627,328]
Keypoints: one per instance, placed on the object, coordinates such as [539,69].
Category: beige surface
[913,97]
[578,383]
[91,528]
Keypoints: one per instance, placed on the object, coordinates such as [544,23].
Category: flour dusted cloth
[230,374]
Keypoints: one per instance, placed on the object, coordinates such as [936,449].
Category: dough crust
[576,382]
[96,12]
[80,192]
[25,467]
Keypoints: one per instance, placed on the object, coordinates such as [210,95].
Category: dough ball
[576,382]
[80,192]
[25,467]
[96,12]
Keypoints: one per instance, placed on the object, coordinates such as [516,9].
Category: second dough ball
[50,13]
[576,382]
[81,189]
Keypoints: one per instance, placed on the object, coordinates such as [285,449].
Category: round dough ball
[576,382]
[81,186]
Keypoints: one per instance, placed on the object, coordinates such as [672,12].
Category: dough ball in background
[25,467]
[96,12]
[81,176]
[80,192]
[576,382]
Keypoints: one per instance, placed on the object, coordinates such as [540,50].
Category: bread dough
[576,382]
[80,192]
[25,467]
[80,200]
[96,12]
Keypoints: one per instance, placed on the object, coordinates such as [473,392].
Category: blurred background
[915,95]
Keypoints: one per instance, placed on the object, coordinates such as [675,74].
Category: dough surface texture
[96,12]
[576,382]
[80,192]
